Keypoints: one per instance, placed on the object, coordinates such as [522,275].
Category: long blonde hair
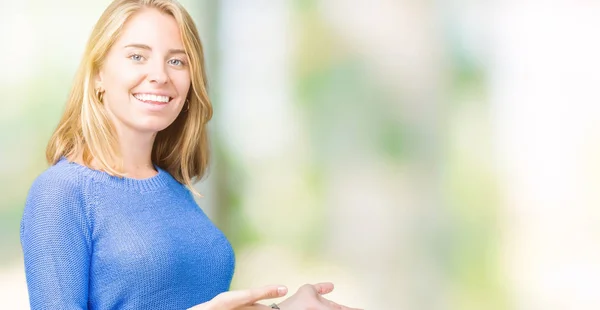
[85,129]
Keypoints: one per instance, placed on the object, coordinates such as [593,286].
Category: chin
[153,126]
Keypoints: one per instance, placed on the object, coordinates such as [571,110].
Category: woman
[111,224]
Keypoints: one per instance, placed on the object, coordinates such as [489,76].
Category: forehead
[153,28]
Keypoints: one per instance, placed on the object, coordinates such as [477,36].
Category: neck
[136,152]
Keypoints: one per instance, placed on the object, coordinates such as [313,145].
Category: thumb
[323,288]
[233,299]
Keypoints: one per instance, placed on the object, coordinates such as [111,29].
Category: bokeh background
[419,154]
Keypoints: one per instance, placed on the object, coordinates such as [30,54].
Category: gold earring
[99,94]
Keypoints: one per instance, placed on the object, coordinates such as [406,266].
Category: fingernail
[282,290]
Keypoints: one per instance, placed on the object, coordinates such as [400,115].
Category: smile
[152,98]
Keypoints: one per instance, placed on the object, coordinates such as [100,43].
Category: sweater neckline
[161,180]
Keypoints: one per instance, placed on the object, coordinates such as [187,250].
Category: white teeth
[150,97]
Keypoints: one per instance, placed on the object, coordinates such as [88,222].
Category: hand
[309,297]
[242,299]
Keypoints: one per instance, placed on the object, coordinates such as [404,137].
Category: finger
[336,306]
[233,299]
[333,305]
[254,307]
[323,288]
[308,289]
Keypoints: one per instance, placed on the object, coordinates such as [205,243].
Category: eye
[136,57]
[176,62]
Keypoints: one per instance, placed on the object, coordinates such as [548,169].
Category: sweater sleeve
[55,238]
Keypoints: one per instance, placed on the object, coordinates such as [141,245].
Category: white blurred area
[539,134]
[545,74]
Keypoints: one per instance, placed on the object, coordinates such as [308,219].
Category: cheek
[121,77]
[182,83]
[184,90]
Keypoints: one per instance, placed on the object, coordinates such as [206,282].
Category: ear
[98,82]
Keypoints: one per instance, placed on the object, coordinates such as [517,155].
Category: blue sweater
[94,241]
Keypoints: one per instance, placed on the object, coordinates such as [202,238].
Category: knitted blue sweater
[94,241]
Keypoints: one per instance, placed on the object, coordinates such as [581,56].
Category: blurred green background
[419,154]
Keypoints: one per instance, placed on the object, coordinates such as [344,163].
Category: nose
[158,74]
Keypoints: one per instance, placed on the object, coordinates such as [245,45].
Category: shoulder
[61,178]
[55,216]
[60,186]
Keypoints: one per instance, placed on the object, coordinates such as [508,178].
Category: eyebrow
[146,47]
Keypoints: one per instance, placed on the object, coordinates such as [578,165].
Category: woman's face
[145,76]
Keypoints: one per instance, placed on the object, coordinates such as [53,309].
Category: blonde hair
[85,129]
